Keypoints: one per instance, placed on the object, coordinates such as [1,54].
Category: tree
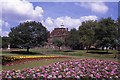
[105,33]
[0,42]
[28,34]
[118,32]
[73,39]
[58,42]
[86,33]
[5,42]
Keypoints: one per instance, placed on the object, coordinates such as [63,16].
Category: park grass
[79,54]
[32,64]
[38,51]
[82,53]
[74,53]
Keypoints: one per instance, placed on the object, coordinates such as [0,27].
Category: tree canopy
[5,42]
[118,32]
[0,42]
[72,39]
[28,34]
[86,33]
[105,33]
[58,42]
[100,34]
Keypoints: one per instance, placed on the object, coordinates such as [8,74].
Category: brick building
[59,33]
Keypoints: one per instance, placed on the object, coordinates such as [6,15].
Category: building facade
[57,33]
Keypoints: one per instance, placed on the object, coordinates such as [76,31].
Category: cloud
[4,24]
[91,17]
[20,10]
[98,7]
[4,33]
[4,28]
[51,23]
[0,31]
[68,22]
[16,11]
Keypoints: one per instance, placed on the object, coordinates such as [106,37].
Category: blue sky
[53,14]
[57,9]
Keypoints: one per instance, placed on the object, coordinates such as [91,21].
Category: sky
[53,14]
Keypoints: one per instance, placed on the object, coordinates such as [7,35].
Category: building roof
[59,32]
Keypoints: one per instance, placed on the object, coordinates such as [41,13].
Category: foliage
[58,42]
[73,39]
[105,33]
[100,34]
[86,33]
[5,42]
[0,42]
[118,32]
[28,34]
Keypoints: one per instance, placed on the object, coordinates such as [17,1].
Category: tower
[62,25]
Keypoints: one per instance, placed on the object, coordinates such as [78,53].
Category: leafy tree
[73,39]
[28,34]
[58,42]
[118,32]
[0,42]
[105,33]
[86,33]
[5,42]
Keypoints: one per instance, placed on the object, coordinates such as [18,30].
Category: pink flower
[77,68]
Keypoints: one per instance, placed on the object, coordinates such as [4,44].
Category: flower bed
[80,69]
[13,60]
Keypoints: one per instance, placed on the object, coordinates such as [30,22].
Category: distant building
[59,33]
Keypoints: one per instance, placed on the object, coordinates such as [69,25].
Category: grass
[38,51]
[74,53]
[33,64]
[82,53]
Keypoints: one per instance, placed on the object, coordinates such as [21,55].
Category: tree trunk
[28,49]
[118,48]
[59,48]
[106,49]
[102,47]
[87,48]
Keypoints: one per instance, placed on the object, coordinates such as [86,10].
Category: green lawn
[33,64]
[74,53]
[82,53]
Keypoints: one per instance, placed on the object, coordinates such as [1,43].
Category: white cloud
[4,24]
[4,28]
[20,10]
[68,22]
[51,23]
[98,7]
[91,17]
[0,29]
[4,33]
[14,11]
